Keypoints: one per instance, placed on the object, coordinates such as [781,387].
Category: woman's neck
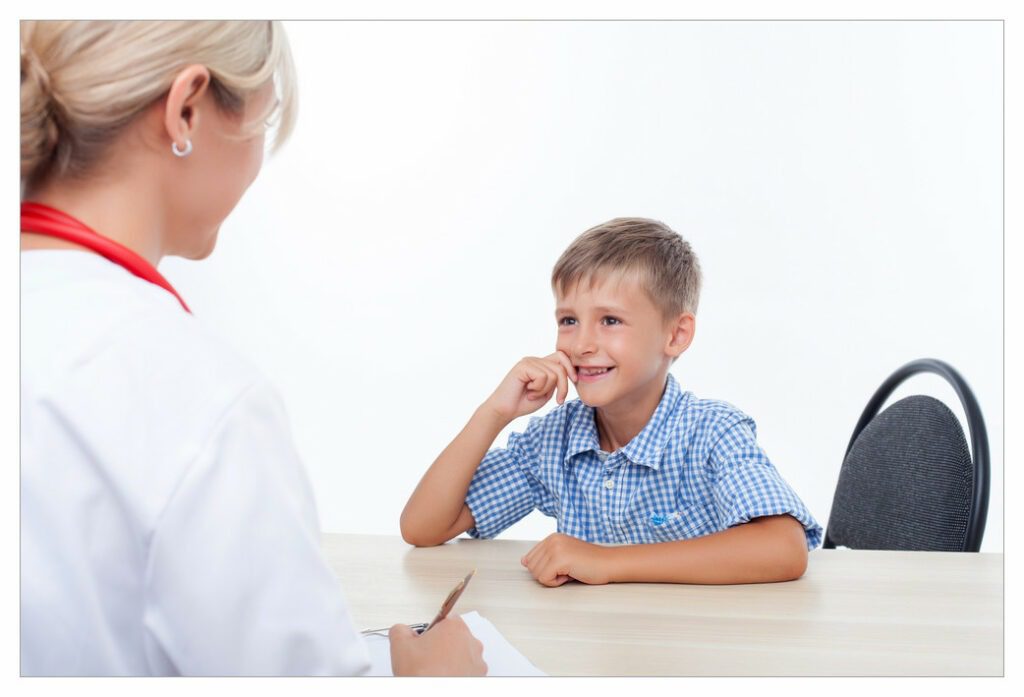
[123,213]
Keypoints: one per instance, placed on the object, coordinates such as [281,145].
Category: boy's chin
[592,398]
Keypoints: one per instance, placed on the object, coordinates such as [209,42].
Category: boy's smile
[588,374]
[621,346]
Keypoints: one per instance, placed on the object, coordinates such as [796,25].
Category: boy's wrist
[626,563]
[492,416]
[615,561]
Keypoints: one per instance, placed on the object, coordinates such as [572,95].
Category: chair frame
[975,423]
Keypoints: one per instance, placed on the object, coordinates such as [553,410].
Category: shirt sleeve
[747,485]
[236,582]
[504,489]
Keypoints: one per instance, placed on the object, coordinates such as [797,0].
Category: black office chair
[908,481]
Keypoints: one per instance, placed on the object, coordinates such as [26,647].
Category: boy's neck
[620,422]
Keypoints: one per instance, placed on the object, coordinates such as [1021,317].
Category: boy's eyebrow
[607,309]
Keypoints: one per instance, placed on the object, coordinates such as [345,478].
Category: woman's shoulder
[84,323]
[119,380]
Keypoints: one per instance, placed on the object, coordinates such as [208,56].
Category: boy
[648,483]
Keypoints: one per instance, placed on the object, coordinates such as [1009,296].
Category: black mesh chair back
[909,481]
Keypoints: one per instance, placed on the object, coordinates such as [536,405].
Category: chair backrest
[908,481]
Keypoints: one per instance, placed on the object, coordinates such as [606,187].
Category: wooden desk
[853,612]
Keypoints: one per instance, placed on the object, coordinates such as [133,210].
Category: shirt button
[609,483]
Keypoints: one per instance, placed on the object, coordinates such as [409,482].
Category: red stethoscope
[50,222]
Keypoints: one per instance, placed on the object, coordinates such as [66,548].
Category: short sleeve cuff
[500,494]
[750,487]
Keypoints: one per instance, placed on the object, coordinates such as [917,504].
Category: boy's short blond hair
[664,262]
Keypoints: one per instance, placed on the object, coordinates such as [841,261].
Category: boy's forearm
[435,505]
[764,550]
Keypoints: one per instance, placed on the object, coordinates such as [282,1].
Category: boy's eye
[566,321]
[611,321]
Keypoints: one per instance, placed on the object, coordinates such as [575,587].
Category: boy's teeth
[593,371]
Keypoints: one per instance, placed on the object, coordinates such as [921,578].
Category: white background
[840,181]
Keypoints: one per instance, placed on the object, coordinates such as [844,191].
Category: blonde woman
[167,523]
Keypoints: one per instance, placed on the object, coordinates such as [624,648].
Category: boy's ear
[681,334]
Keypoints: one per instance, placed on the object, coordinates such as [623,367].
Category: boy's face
[618,340]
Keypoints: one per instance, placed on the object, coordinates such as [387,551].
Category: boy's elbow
[410,537]
[796,564]
[794,559]
[415,539]
[420,533]
[413,534]
[410,533]
[791,550]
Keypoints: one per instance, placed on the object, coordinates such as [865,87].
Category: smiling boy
[647,482]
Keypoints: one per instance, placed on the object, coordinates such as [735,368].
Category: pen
[449,602]
[446,607]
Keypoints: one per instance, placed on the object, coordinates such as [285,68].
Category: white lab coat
[167,524]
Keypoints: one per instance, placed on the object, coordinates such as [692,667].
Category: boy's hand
[559,558]
[530,384]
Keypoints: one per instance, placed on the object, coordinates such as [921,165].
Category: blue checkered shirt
[693,470]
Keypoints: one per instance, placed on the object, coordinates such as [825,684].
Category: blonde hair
[83,82]
[664,262]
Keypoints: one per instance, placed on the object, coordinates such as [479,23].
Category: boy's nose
[585,344]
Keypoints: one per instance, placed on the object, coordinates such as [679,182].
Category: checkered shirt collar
[645,448]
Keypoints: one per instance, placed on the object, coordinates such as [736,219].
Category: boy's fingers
[525,560]
[553,372]
[532,554]
[541,572]
[535,566]
[553,381]
[561,580]
[563,386]
[548,571]
[565,362]
[546,384]
[542,390]
[533,370]
[553,578]
[537,381]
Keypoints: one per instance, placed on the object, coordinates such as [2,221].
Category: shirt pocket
[668,526]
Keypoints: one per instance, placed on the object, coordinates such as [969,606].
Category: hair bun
[39,130]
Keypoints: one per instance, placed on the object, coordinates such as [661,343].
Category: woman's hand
[449,648]
[530,384]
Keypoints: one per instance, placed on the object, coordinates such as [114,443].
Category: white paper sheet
[501,657]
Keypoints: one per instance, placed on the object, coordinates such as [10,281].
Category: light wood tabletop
[852,613]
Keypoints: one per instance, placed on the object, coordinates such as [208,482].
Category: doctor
[167,525]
